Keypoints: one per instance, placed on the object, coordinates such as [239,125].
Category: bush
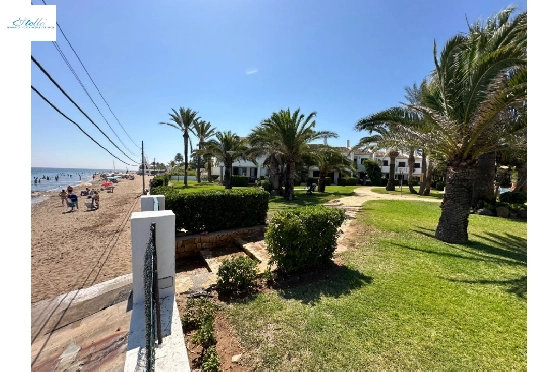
[347,181]
[239,181]
[373,171]
[304,237]
[210,361]
[265,184]
[204,336]
[236,275]
[214,210]
[159,181]
[512,198]
[196,312]
[440,185]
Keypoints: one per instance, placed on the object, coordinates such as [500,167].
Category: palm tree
[183,120]
[179,159]
[288,134]
[477,77]
[330,159]
[203,130]
[227,147]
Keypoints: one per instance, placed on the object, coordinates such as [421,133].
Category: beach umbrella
[107,184]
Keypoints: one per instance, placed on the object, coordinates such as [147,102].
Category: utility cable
[61,113]
[75,104]
[85,90]
[60,28]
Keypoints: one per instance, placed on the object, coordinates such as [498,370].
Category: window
[362,160]
[402,164]
[416,165]
[315,174]
[385,163]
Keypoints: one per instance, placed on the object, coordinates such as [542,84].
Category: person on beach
[96,199]
[63,196]
[69,189]
[73,199]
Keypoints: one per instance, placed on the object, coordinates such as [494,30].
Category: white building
[254,172]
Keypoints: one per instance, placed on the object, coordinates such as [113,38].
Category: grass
[277,203]
[195,187]
[405,191]
[402,301]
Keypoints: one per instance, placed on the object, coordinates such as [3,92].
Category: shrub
[214,210]
[512,197]
[440,185]
[204,336]
[210,361]
[236,275]
[265,184]
[197,312]
[159,181]
[302,238]
[347,181]
[373,171]
[239,181]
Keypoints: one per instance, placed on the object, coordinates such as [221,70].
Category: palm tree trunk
[290,174]
[423,170]
[391,181]
[483,187]
[411,171]
[186,139]
[198,166]
[228,176]
[428,180]
[209,169]
[456,205]
[322,182]
[521,185]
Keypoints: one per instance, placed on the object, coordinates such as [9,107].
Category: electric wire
[75,104]
[98,91]
[57,47]
[76,124]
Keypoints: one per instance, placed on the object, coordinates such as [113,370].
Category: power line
[75,104]
[60,28]
[85,90]
[61,113]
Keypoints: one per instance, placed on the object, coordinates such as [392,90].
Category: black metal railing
[151,302]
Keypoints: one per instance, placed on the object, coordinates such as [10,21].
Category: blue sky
[235,62]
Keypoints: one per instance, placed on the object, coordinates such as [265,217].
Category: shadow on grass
[332,281]
[508,249]
[516,286]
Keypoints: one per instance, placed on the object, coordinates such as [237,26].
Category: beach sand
[78,249]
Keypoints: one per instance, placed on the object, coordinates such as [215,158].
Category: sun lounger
[89,205]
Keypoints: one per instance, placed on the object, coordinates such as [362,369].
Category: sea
[47,179]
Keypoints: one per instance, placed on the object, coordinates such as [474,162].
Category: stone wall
[191,245]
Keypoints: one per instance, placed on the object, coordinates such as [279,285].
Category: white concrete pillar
[259,171]
[147,202]
[140,223]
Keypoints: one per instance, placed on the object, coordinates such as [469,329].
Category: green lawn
[194,186]
[278,203]
[402,301]
[405,191]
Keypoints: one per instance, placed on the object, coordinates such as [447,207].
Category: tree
[203,130]
[477,77]
[219,147]
[373,171]
[179,158]
[330,159]
[183,120]
[287,134]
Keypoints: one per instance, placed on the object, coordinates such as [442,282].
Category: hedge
[215,210]
[347,181]
[239,181]
[159,181]
[302,238]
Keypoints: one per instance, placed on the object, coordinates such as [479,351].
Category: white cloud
[252,71]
